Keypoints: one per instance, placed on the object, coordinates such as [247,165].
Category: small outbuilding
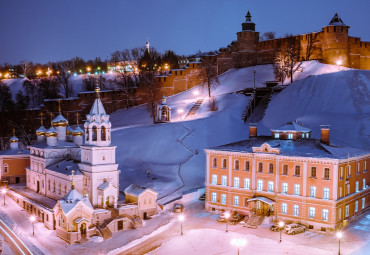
[145,198]
[163,111]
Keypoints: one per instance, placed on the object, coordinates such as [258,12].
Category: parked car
[275,228]
[202,197]
[293,229]
[178,208]
[235,219]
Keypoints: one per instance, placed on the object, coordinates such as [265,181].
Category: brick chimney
[252,130]
[325,134]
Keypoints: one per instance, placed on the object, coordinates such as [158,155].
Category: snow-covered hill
[174,151]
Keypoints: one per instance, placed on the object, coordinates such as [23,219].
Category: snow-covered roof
[60,144]
[103,186]
[136,190]
[292,126]
[72,199]
[79,219]
[65,167]
[97,108]
[302,147]
[336,21]
[41,129]
[263,199]
[51,130]
[60,119]
[14,152]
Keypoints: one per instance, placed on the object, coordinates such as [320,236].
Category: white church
[77,169]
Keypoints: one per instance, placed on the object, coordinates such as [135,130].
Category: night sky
[51,30]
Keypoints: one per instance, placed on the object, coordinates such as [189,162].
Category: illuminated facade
[289,176]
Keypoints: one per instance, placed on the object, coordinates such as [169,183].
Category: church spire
[248,25]
[248,17]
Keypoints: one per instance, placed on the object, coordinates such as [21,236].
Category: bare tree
[209,75]
[147,82]
[267,36]
[311,45]
[63,70]
[26,68]
[31,90]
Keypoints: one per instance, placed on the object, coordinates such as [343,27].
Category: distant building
[289,176]
[144,197]
[163,111]
[331,45]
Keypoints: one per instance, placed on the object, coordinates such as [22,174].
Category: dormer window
[290,136]
[276,135]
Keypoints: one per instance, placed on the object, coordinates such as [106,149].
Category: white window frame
[214,197]
[259,185]
[223,199]
[214,179]
[236,182]
[313,191]
[290,136]
[363,203]
[236,200]
[347,211]
[247,183]
[356,206]
[284,188]
[325,215]
[325,193]
[224,180]
[270,187]
[295,210]
[364,183]
[357,186]
[276,135]
[312,212]
[284,208]
[297,187]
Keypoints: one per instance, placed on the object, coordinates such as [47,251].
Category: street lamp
[181,219]
[4,192]
[32,219]
[239,243]
[281,225]
[227,216]
[339,63]
[180,111]
[196,93]
[339,235]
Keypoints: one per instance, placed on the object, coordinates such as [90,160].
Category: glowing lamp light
[180,111]
[3,191]
[196,93]
[75,74]
[32,218]
[88,69]
[339,62]
[238,242]
[281,224]
[227,215]
[103,72]
[181,217]
[339,235]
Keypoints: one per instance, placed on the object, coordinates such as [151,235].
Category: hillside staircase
[194,108]
[104,230]
[254,221]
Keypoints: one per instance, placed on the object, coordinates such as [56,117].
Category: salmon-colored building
[289,176]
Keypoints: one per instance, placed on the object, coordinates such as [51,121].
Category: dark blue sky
[50,30]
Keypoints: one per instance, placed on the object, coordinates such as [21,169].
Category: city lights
[33,219]
[4,192]
[181,219]
[281,225]
[227,216]
[238,243]
[195,92]
[339,235]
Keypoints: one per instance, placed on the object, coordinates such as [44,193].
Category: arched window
[6,168]
[94,133]
[103,133]
[49,184]
[61,221]
[87,134]
[65,189]
[60,188]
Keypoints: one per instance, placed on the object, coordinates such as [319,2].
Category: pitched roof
[302,147]
[136,190]
[292,126]
[336,21]
[65,167]
[72,199]
[97,108]
[103,186]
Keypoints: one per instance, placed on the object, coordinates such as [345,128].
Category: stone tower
[98,158]
[335,47]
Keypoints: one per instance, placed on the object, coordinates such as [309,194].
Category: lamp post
[281,225]
[339,235]
[180,111]
[339,63]
[181,219]
[32,219]
[227,216]
[4,192]
[239,243]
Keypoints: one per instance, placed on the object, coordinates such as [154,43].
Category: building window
[341,173]
[358,168]
[347,210]
[284,208]
[325,214]
[260,167]
[236,182]
[214,179]
[49,184]
[312,212]
[312,191]
[224,163]
[284,189]
[290,136]
[236,201]
[236,165]
[276,135]
[295,210]
[259,185]
[224,180]
[214,162]
[364,183]
[356,206]
[271,168]
[296,189]
[357,186]
[365,170]
[258,205]
[246,166]
[271,186]
[340,192]
[363,203]
[325,194]
[214,197]
[297,171]
[61,221]
[223,199]
[6,168]
[349,171]
[246,183]
[326,173]
[313,172]
[285,169]
[348,189]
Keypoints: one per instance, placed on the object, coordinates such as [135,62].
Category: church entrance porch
[83,230]
[262,206]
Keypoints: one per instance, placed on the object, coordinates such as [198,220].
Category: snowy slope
[163,148]
[341,100]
